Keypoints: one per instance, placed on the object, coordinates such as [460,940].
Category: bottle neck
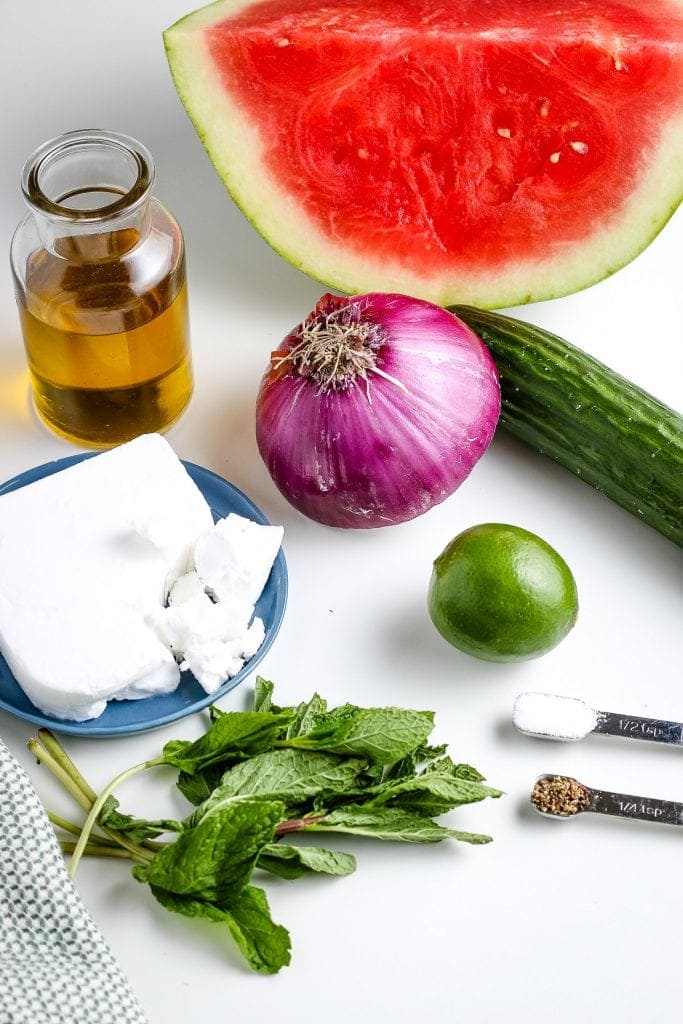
[109,239]
[90,193]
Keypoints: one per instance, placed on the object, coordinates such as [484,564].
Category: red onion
[375,408]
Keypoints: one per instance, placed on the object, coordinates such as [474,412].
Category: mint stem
[54,747]
[296,824]
[95,850]
[46,758]
[75,830]
[91,820]
[49,752]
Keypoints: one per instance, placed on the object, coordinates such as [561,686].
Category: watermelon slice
[491,152]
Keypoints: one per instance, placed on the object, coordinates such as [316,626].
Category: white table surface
[563,921]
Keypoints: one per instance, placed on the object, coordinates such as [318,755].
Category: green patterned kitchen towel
[55,967]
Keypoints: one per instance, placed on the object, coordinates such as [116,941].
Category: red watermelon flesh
[490,151]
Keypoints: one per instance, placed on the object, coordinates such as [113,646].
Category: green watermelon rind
[224,129]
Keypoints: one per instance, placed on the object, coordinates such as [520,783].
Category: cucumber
[592,421]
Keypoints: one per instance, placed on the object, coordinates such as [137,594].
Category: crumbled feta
[186,587]
[211,662]
[207,621]
[235,557]
[200,618]
[253,638]
[87,559]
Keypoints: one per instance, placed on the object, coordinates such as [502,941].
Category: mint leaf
[409,764]
[213,861]
[428,751]
[292,776]
[137,829]
[190,906]
[470,837]
[263,694]
[294,861]
[174,748]
[446,766]
[234,734]
[264,944]
[383,735]
[431,793]
[391,823]
[263,698]
[306,716]
[198,787]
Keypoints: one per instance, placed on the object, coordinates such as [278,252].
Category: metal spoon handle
[654,729]
[642,808]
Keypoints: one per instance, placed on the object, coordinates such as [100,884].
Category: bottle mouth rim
[47,155]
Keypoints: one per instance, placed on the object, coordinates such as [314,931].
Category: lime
[501,593]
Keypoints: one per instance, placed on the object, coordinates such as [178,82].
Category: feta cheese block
[87,557]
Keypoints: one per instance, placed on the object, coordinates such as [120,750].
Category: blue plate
[132,716]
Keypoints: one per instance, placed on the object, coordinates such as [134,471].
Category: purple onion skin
[349,462]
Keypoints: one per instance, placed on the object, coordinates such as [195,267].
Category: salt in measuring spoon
[560,796]
[555,717]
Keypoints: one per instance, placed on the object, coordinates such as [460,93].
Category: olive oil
[99,273]
[100,388]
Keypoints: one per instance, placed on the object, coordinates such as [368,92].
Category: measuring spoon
[619,805]
[555,717]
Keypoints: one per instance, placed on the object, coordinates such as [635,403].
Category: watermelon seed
[363,154]
[554,158]
[545,108]
[579,147]
[282,42]
[504,133]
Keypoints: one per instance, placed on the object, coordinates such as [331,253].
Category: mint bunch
[254,779]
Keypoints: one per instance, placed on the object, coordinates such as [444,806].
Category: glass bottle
[99,273]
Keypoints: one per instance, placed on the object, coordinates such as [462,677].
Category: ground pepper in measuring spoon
[559,795]
[99,273]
